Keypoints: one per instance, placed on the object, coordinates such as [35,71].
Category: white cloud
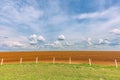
[12,38]
[41,38]
[22,15]
[98,24]
[89,41]
[35,39]
[33,42]
[101,21]
[57,44]
[68,43]
[109,13]
[12,14]
[103,41]
[115,31]
[107,41]
[90,15]
[61,37]
[48,44]
[17,44]
[13,44]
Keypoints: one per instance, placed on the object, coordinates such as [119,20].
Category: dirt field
[97,57]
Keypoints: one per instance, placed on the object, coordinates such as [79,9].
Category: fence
[70,57]
[54,61]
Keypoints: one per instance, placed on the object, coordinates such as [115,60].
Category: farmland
[102,68]
[97,57]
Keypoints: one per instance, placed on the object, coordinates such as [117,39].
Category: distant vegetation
[49,71]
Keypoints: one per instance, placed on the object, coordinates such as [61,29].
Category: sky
[59,25]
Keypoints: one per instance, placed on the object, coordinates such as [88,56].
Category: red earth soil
[96,57]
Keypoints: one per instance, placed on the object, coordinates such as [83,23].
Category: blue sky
[59,25]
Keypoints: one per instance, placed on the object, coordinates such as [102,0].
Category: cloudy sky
[59,25]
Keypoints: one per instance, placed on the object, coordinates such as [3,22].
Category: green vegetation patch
[49,71]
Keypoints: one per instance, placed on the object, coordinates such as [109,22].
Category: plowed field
[97,57]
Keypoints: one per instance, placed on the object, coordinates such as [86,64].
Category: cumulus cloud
[57,44]
[89,41]
[41,38]
[100,41]
[35,39]
[61,37]
[49,18]
[68,43]
[100,23]
[103,41]
[107,41]
[115,31]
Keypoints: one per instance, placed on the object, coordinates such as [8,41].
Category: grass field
[49,71]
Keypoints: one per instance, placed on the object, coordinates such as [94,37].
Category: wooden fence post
[2,61]
[36,60]
[116,64]
[90,63]
[70,60]
[21,60]
[53,60]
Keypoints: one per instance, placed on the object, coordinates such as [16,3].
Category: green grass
[49,71]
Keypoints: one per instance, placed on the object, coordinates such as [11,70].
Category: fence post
[20,60]
[70,60]
[53,60]
[36,60]
[116,64]
[90,63]
[2,61]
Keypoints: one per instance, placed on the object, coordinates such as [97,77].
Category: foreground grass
[48,71]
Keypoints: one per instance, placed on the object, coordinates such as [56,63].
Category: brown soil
[97,57]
